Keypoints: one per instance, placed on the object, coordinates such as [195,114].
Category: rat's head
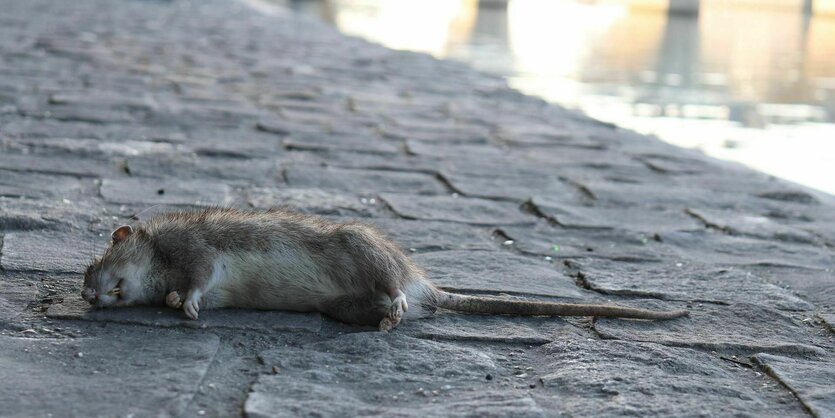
[118,277]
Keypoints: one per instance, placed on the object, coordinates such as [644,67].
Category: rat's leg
[204,278]
[395,311]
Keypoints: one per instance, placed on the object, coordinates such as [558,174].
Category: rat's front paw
[173,300]
[192,304]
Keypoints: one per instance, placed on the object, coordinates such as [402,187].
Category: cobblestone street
[108,108]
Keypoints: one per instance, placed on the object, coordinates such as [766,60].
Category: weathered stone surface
[37,186]
[456,209]
[15,296]
[734,328]
[112,374]
[506,187]
[351,143]
[46,251]
[75,308]
[585,377]
[316,201]
[243,172]
[814,285]
[810,381]
[386,374]
[723,249]
[79,167]
[556,242]
[640,220]
[425,236]
[362,181]
[685,281]
[450,326]
[496,271]
[736,223]
[170,192]
[829,320]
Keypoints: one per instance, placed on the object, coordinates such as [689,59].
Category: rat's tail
[490,305]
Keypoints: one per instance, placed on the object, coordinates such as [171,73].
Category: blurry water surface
[748,81]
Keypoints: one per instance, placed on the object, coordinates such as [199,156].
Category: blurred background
[751,81]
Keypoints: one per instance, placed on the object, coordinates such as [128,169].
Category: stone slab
[423,236]
[158,316]
[166,192]
[456,209]
[502,186]
[353,143]
[496,271]
[723,249]
[828,320]
[810,381]
[15,296]
[451,326]
[320,202]
[556,242]
[641,220]
[587,377]
[685,281]
[46,251]
[735,222]
[362,181]
[136,373]
[730,328]
[365,374]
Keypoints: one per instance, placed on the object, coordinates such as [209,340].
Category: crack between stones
[768,371]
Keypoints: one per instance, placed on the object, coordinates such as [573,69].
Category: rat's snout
[90,295]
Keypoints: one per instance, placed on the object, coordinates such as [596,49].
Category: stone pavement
[108,108]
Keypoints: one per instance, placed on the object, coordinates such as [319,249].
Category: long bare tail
[489,305]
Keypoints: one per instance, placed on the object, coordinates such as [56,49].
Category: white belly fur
[283,280]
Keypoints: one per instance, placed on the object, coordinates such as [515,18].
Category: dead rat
[225,258]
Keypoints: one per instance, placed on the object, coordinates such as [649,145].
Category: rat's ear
[121,234]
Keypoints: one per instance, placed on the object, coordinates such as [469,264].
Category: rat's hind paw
[395,313]
[173,300]
[192,304]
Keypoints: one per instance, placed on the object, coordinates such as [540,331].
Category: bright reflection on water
[747,83]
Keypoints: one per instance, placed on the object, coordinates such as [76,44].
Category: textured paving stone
[391,375]
[828,320]
[456,209]
[450,326]
[496,271]
[79,167]
[810,381]
[724,249]
[507,187]
[37,186]
[341,143]
[631,219]
[243,172]
[46,251]
[556,242]
[159,316]
[736,223]
[685,282]
[586,377]
[425,236]
[61,374]
[15,296]
[737,327]
[361,181]
[814,285]
[315,201]
[170,192]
